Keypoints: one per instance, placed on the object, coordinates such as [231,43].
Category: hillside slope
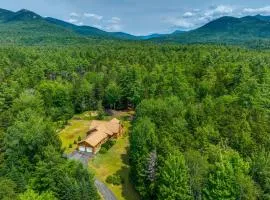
[228,30]
[27,27]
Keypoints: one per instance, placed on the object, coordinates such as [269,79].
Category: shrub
[103,150]
[109,144]
[75,142]
[106,146]
[79,139]
[114,179]
[70,146]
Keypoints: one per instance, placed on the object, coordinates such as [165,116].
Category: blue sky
[141,17]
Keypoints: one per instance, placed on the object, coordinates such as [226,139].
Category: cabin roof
[100,130]
[95,138]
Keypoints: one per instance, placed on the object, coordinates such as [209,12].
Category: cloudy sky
[141,17]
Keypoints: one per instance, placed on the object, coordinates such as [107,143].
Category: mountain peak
[24,15]
[220,24]
[24,10]
[27,12]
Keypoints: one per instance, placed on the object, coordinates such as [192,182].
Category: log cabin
[99,133]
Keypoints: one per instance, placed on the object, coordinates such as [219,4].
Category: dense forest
[201,129]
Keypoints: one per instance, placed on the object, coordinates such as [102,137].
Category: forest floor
[115,161]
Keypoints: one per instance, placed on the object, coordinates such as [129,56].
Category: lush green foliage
[30,195]
[31,161]
[106,146]
[215,111]
[114,179]
[201,128]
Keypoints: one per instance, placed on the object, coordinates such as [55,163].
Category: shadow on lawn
[128,192]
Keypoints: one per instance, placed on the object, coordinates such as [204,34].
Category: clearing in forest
[112,162]
[76,127]
[115,162]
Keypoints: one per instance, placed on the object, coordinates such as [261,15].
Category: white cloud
[188,14]
[196,10]
[114,20]
[263,10]
[196,18]
[73,21]
[219,11]
[113,27]
[98,26]
[180,23]
[73,14]
[93,16]
[114,24]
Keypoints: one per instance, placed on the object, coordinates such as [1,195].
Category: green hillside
[26,27]
[225,30]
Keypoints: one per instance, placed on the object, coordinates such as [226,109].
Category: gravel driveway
[80,156]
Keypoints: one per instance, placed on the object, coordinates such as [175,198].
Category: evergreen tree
[173,180]
[30,195]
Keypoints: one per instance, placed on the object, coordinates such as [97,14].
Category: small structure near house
[99,133]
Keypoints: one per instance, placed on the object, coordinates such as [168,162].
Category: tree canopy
[201,129]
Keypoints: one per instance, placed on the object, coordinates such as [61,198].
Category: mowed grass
[77,126]
[116,161]
[113,161]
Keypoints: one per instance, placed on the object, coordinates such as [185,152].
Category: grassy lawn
[77,126]
[115,161]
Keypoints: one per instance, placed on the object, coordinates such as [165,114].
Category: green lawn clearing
[115,161]
[77,126]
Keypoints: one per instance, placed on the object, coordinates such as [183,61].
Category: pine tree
[173,180]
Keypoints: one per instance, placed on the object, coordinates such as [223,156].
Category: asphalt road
[104,190]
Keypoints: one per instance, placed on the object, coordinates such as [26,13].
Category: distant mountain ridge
[264,18]
[27,27]
[4,14]
[23,15]
[229,30]
[25,18]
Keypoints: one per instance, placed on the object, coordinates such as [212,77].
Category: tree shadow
[128,192]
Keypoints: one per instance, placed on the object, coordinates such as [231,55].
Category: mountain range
[27,27]
[229,30]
